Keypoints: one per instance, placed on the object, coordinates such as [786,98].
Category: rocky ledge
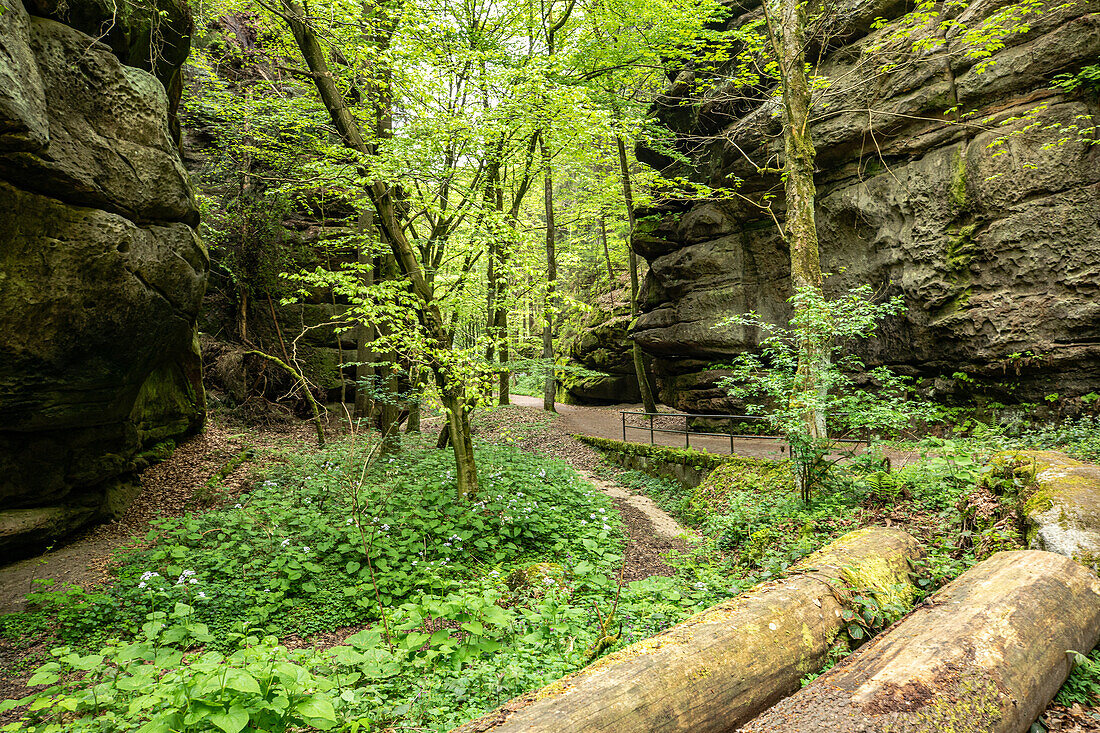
[994,245]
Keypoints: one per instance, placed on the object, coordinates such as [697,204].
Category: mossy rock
[1063,508]
[536,578]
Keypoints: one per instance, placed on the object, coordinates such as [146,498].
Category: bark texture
[985,655]
[721,667]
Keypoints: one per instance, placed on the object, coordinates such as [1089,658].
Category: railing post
[622,414]
[731,436]
[687,432]
[651,429]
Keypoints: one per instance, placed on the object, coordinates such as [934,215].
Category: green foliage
[1079,438]
[1085,80]
[793,391]
[685,456]
[463,604]
[1083,685]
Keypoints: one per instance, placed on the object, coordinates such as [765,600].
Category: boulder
[720,667]
[1063,511]
[102,272]
[984,655]
[993,247]
[602,346]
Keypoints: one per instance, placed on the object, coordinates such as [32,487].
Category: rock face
[101,278]
[603,346]
[995,249]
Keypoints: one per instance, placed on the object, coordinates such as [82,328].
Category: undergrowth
[452,607]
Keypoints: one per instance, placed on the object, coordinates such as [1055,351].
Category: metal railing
[688,432]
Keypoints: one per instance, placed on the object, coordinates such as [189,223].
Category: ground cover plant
[442,609]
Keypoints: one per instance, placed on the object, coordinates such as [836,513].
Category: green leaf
[352,567]
[316,708]
[241,681]
[474,627]
[43,678]
[231,721]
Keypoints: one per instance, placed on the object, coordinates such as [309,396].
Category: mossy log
[719,668]
[984,655]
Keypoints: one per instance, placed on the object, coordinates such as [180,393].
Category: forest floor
[168,489]
[651,532]
[181,484]
[176,485]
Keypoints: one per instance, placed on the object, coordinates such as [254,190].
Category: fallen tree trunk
[719,668]
[984,655]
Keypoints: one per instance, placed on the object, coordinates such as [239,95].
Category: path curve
[605,421]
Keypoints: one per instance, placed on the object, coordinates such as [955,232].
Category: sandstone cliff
[997,256]
[101,278]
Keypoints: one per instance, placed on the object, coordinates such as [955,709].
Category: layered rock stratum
[965,185]
[101,275]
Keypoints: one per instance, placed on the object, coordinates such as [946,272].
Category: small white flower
[193,581]
[350,521]
[201,596]
[141,584]
[237,506]
[284,543]
[385,527]
[305,548]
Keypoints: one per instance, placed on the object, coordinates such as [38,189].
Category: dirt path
[651,532]
[168,490]
[606,421]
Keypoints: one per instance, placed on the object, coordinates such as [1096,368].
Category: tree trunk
[364,332]
[649,404]
[607,259]
[404,252]
[550,386]
[390,412]
[984,655]
[724,665]
[458,417]
[786,32]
